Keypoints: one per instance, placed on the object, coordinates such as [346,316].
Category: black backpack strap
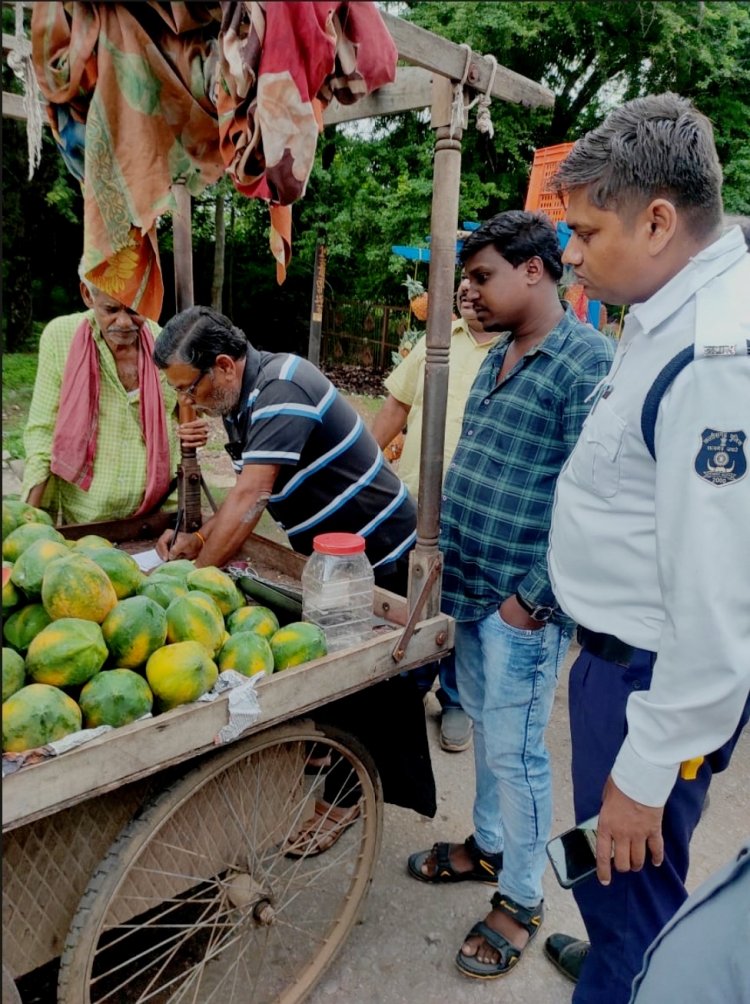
[656,392]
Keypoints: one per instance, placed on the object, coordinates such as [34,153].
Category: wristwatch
[536,613]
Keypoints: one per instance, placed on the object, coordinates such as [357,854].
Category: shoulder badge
[721,458]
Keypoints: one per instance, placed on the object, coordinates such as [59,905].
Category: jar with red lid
[337,589]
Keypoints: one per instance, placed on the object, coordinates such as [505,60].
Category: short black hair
[659,146]
[518,235]
[196,336]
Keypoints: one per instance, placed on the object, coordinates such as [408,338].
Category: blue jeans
[506,681]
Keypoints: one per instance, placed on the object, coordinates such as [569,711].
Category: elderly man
[301,451]
[100,440]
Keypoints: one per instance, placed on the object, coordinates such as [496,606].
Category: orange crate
[546,162]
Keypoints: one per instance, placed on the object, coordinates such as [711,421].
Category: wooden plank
[13,107]
[411,89]
[10,43]
[125,530]
[423,48]
[144,748]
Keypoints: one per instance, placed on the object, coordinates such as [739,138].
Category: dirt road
[403,950]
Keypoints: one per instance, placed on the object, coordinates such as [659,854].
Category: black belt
[605,646]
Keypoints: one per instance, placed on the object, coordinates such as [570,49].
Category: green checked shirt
[498,491]
[119,477]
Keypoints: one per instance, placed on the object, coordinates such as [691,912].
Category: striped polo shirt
[332,477]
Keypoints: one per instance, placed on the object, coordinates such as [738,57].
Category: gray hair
[659,146]
[196,336]
[82,276]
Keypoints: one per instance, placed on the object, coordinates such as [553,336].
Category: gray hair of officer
[659,146]
[196,336]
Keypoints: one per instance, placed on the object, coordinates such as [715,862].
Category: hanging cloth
[145,95]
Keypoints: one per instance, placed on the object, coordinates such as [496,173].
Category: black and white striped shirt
[333,476]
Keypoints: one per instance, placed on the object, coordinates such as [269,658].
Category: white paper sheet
[148,560]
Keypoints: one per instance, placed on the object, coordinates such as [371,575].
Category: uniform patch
[721,459]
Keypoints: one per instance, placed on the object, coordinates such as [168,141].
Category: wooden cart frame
[61,816]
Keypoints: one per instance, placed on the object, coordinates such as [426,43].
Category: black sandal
[486,868]
[529,918]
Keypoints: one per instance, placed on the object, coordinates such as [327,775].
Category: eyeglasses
[189,392]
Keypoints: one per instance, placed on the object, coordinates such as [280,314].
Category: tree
[593,55]
[371,187]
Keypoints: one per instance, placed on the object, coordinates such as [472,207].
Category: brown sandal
[322,831]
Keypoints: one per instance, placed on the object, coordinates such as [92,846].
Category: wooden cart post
[188,470]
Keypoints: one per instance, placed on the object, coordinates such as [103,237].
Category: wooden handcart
[158,866]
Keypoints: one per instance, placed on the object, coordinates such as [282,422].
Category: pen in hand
[176,531]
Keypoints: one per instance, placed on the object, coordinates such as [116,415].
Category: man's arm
[36,494]
[535,587]
[701,677]
[235,520]
[389,421]
[45,402]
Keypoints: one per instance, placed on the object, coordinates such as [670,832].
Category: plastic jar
[337,589]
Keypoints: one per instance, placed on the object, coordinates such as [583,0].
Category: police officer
[650,540]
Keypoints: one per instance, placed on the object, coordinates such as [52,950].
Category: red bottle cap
[338,543]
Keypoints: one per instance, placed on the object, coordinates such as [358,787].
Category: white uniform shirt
[658,554]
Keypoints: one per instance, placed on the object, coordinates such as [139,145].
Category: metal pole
[445,194]
[316,309]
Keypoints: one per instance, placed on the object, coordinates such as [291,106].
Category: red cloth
[76,429]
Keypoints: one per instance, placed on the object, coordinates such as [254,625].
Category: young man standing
[649,547]
[522,418]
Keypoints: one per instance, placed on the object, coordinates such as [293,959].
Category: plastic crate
[546,161]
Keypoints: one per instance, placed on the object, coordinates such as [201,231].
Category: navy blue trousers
[622,919]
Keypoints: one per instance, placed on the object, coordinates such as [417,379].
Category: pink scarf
[76,429]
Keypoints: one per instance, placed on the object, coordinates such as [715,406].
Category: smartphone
[573,853]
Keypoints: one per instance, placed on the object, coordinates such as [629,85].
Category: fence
[361,333]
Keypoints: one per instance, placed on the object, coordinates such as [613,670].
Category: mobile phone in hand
[573,853]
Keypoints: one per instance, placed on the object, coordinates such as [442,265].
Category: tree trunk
[217,283]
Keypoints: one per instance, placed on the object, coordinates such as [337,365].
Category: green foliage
[371,186]
[19,373]
[593,55]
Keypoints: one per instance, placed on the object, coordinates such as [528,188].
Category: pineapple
[417,298]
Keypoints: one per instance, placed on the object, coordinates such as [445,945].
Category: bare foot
[498,921]
[460,860]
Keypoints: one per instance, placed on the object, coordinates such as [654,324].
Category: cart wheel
[199,900]
[10,990]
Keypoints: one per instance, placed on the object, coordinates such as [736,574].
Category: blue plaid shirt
[498,491]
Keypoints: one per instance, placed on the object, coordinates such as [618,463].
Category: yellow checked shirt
[119,477]
[406,384]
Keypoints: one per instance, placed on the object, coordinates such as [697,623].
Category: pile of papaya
[90,640]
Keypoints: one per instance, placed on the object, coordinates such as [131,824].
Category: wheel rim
[206,905]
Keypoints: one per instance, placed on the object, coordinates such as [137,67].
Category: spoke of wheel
[177,940]
[218,949]
[196,976]
[310,935]
[176,904]
[201,855]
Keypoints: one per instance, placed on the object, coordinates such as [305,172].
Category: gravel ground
[403,950]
